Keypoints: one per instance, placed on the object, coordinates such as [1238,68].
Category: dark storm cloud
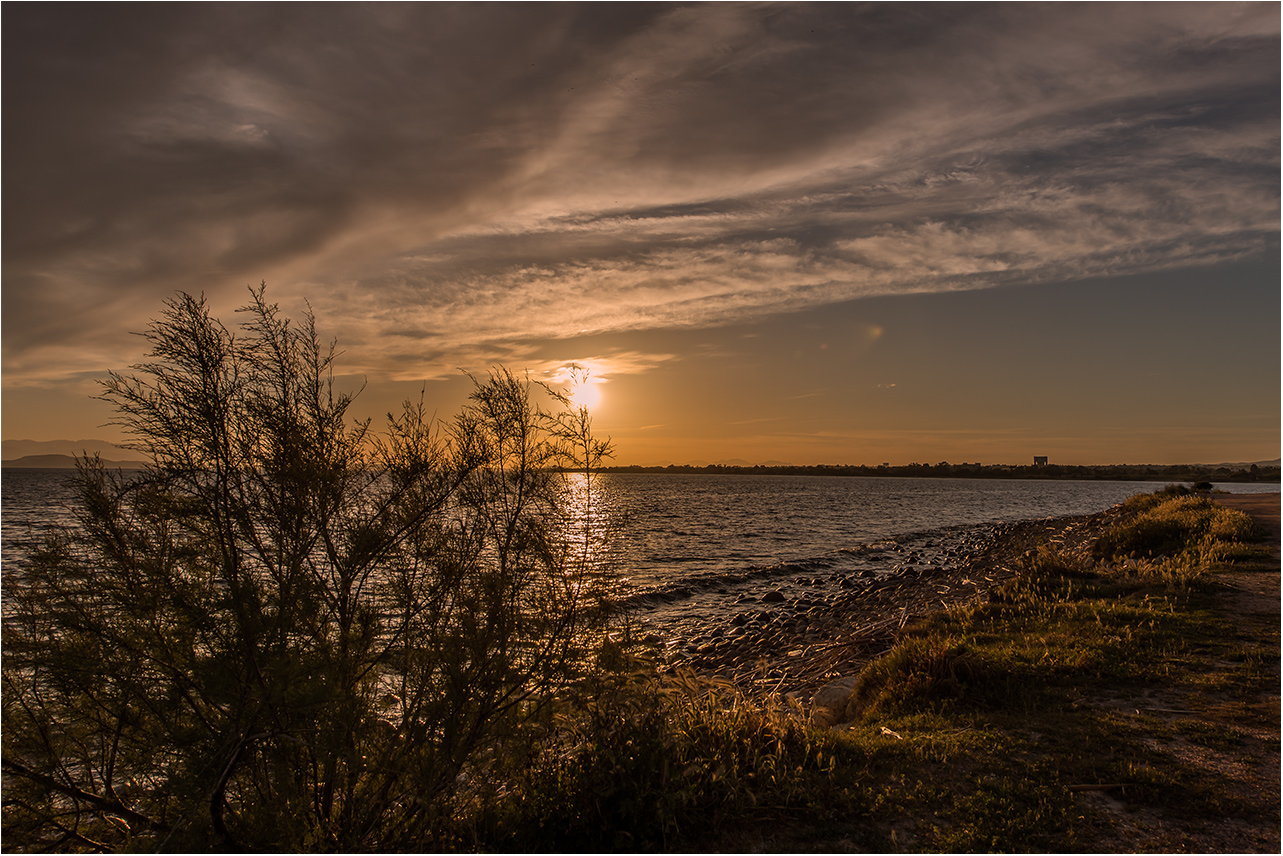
[472,176]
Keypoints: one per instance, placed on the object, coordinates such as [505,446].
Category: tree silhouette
[290,632]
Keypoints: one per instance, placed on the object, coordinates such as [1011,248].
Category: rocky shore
[819,629]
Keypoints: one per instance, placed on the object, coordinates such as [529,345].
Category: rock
[775,596]
[829,704]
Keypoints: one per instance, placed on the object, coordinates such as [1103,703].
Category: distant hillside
[61,462]
[1244,465]
[13,449]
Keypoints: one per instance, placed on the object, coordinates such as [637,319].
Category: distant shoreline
[1116,472]
[62,462]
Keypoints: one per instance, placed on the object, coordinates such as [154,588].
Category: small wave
[847,566]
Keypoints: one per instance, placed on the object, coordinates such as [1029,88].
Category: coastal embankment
[773,642]
[796,645]
[1048,694]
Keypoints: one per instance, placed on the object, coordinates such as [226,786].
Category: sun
[576,381]
[586,393]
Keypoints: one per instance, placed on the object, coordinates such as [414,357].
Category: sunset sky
[812,233]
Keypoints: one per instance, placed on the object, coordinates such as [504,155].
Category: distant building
[1040,460]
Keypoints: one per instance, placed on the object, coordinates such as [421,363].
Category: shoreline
[798,656]
[1172,748]
[797,645]
[1263,472]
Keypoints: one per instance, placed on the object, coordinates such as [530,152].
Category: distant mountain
[14,449]
[1243,465]
[61,462]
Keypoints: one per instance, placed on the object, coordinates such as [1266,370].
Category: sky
[812,233]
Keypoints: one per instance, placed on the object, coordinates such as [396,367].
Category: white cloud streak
[450,185]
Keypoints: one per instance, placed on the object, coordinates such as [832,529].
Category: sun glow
[578,382]
[586,393]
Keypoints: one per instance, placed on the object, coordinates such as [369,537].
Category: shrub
[917,670]
[1169,525]
[653,762]
[1045,576]
[287,632]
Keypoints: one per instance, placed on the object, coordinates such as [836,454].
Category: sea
[684,545]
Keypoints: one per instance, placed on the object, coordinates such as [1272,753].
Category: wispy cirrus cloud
[451,185]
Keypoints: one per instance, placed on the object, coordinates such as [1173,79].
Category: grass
[1019,724]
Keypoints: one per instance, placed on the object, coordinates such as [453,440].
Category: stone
[829,704]
[775,596]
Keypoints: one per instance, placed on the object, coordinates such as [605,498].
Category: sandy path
[1261,507]
[1254,587]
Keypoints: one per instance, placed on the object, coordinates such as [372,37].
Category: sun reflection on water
[592,525]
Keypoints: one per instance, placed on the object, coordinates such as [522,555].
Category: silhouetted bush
[289,632]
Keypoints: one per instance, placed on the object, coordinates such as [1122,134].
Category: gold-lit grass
[1178,527]
[1077,673]
[1008,725]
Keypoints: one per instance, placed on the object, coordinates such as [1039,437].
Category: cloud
[449,185]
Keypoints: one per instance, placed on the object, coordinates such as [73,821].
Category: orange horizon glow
[814,233]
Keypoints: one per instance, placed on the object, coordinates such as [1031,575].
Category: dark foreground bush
[653,763]
[287,632]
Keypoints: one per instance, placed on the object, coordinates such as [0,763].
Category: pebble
[812,603]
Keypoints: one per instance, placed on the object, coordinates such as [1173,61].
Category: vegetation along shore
[1105,683]
[292,633]
[1110,683]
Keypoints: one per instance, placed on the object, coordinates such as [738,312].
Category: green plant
[1169,525]
[287,632]
[653,762]
[918,670]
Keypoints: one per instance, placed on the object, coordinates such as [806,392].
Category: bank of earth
[1168,744]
